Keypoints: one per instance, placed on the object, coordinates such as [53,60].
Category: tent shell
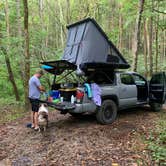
[88,44]
[87,49]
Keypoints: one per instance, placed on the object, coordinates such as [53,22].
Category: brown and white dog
[43,117]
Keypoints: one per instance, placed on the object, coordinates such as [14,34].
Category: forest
[137,28]
[33,31]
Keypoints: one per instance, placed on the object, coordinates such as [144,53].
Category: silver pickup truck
[119,91]
[90,52]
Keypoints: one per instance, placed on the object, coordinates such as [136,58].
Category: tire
[107,113]
[156,107]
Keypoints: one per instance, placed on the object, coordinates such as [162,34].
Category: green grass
[11,114]
[11,110]
[157,141]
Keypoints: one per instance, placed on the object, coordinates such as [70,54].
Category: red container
[50,99]
[79,96]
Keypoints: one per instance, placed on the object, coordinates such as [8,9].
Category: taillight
[79,96]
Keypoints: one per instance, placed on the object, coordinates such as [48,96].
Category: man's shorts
[34,104]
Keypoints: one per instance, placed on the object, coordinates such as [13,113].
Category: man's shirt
[34,84]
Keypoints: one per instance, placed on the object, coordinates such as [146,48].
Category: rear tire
[156,107]
[106,114]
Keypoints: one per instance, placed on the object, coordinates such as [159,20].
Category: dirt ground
[81,141]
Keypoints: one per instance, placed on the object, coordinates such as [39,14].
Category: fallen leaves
[70,141]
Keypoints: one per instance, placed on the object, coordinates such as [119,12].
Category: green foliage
[47,33]
[157,141]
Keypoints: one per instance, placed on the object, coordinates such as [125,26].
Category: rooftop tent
[88,46]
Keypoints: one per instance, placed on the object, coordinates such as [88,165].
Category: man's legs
[32,118]
[36,120]
[34,113]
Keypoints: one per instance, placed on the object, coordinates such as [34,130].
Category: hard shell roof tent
[87,49]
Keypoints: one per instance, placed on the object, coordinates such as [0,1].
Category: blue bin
[55,94]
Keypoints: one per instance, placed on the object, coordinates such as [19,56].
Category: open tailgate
[64,106]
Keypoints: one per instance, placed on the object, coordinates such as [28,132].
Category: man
[35,89]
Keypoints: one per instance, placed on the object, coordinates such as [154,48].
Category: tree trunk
[156,39]
[68,11]
[7,60]
[61,22]
[41,7]
[26,53]
[164,45]
[120,30]
[145,50]
[18,18]
[137,35]
[150,41]
[19,35]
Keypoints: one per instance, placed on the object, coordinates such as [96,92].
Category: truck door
[128,91]
[157,88]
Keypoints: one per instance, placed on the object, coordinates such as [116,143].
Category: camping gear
[87,49]
[56,101]
[67,85]
[67,93]
[96,91]
[72,99]
[50,99]
[55,94]
[88,90]
[79,96]
[61,99]
[46,67]
[88,44]
[59,66]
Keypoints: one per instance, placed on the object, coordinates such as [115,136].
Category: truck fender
[111,97]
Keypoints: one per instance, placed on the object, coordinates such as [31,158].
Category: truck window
[126,79]
[139,80]
[101,77]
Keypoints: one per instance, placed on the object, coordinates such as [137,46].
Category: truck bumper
[66,107]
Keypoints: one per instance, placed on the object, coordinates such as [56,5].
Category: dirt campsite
[79,141]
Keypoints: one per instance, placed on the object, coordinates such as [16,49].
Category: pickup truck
[91,54]
[119,91]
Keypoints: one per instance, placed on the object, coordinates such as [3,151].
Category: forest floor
[79,142]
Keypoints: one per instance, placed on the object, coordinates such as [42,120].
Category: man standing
[35,89]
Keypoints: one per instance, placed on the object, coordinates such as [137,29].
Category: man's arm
[41,88]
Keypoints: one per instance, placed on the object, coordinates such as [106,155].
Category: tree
[145,49]
[47,26]
[26,54]
[150,40]
[19,36]
[136,41]
[6,51]
[156,41]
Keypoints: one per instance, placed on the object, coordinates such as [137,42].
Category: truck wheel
[107,113]
[156,107]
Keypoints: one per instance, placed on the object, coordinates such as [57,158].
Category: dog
[43,117]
